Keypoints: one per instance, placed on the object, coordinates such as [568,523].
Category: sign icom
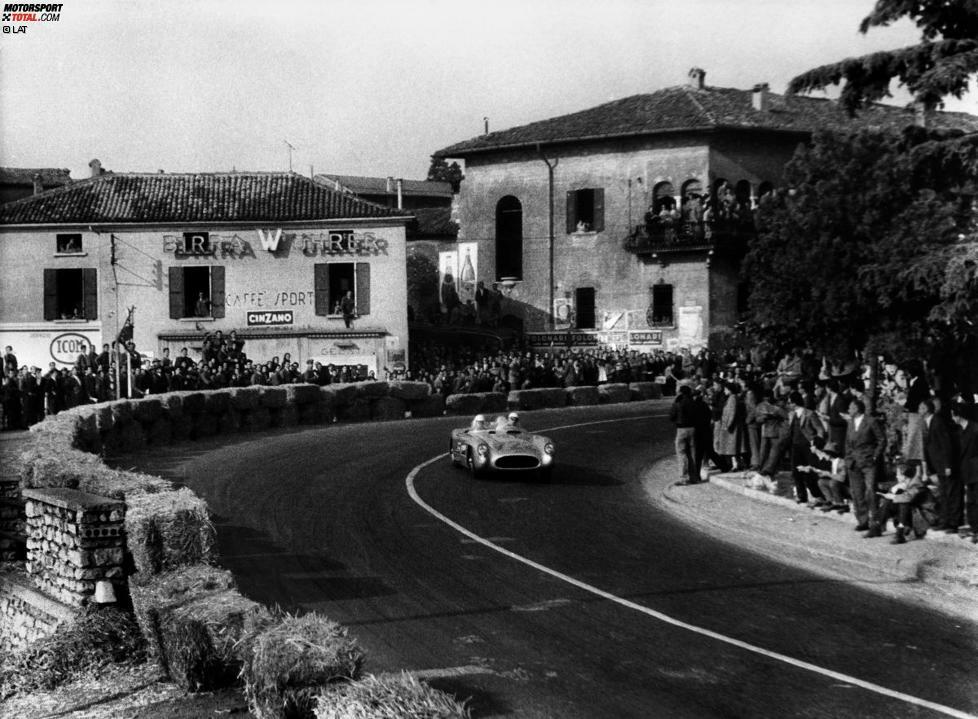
[66,348]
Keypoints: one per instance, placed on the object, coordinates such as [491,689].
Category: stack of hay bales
[527,399]
[74,540]
[388,697]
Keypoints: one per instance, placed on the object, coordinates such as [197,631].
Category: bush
[97,637]
[388,697]
[287,665]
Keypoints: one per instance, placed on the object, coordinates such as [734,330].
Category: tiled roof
[378,186]
[50,177]
[687,108]
[432,223]
[186,198]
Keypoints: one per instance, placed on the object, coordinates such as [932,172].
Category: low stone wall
[27,614]
[74,540]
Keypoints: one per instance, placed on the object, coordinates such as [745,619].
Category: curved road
[635,615]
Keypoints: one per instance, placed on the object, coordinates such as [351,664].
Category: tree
[441,171]
[856,252]
[941,64]
[422,284]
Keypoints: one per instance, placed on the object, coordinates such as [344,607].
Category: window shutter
[363,288]
[320,283]
[176,293]
[571,211]
[217,291]
[90,293]
[598,210]
[50,294]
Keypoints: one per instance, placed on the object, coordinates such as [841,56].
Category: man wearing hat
[682,414]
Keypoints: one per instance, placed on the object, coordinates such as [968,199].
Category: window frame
[216,279]
[52,295]
[60,251]
[657,289]
[322,306]
[597,204]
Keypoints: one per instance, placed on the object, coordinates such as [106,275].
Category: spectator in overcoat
[804,427]
[865,443]
[967,465]
[731,431]
[939,465]
[682,414]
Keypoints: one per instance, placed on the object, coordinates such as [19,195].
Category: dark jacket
[864,447]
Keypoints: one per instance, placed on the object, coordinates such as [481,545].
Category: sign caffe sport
[278,243]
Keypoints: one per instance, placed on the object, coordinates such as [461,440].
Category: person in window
[348,308]
[202,308]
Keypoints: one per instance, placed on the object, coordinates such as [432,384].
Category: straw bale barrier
[167,530]
[430,406]
[614,393]
[578,396]
[527,399]
[390,696]
[409,391]
[645,390]
[475,402]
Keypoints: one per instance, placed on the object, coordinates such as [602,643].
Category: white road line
[838,676]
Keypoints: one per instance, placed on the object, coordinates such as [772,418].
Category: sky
[374,87]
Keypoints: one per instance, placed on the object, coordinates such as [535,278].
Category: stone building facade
[268,255]
[652,209]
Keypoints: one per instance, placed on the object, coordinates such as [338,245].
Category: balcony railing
[662,236]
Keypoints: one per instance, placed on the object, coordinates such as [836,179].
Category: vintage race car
[501,446]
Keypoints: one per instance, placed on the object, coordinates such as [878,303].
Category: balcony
[662,237]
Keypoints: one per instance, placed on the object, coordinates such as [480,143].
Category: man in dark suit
[968,464]
[865,442]
[938,466]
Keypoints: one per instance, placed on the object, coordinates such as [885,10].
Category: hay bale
[205,425]
[527,399]
[194,403]
[256,420]
[132,437]
[299,394]
[181,428]
[475,402]
[409,391]
[286,665]
[288,416]
[645,390]
[310,413]
[104,417]
[431,406]
[217,401]
[168,529]
[229,422]
[372,389]
[273,397]
[245,399]
[614,393]
[387,408]
[122,412]
[392,696]
[578,396]
[343,394]
[160,433]
[172,404]
[356,411]
[148,410]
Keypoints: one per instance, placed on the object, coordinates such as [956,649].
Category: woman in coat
[731,431]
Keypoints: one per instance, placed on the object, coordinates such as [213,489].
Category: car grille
[517,461]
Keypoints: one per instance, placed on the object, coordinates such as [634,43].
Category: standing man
[804,427]
[349,309]
[968,465]
[865,443]
[683,416]
[938,466]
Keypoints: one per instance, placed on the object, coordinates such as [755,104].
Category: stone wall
[74,539]
[25,613]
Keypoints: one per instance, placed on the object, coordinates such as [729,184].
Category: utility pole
[550,242]
[291,148]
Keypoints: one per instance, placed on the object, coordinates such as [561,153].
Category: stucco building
[269,255]
[557,209]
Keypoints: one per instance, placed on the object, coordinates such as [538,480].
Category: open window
[509,239]
[585,210]
[331,282]
[662,309]
[197,291]
[71,294]
[68,244]
[584,307]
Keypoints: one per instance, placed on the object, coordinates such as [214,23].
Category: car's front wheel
[470,463]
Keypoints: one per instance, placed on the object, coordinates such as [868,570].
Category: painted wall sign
[66,348]
[653,337]
[262,299]
[237,246]
[563,339]
[281,317]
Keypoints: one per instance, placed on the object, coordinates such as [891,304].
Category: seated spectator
[899,503]
[828,466]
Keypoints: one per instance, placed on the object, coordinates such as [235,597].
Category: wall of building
[260,286]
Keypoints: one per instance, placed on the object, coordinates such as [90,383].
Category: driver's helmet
[513,418]
[479,421]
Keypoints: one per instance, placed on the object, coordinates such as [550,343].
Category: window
[662,315]
[585,210]
[71,294]
[584,306]
[509,239]
[68,244]
[332,280]
[663,198]
[197,291]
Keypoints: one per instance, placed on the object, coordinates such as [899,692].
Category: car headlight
[549,448]
[483,450]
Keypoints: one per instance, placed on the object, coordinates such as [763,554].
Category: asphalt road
[613,619]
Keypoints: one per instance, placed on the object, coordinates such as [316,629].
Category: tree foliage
[869,245]
[441,171]
[942,64]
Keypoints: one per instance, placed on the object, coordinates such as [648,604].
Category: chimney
[759,97]
[400,194]
[96,168]
[38,185]
[696,78]
[390,184]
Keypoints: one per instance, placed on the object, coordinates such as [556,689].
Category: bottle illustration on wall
[466,279]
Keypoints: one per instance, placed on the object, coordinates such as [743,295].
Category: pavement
[939,570]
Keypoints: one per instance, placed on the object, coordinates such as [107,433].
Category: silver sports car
[501,445]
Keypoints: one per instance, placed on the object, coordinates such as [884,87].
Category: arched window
[509,239]
[663,197]
[693,201]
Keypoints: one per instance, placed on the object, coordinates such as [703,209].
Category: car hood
[510,442]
